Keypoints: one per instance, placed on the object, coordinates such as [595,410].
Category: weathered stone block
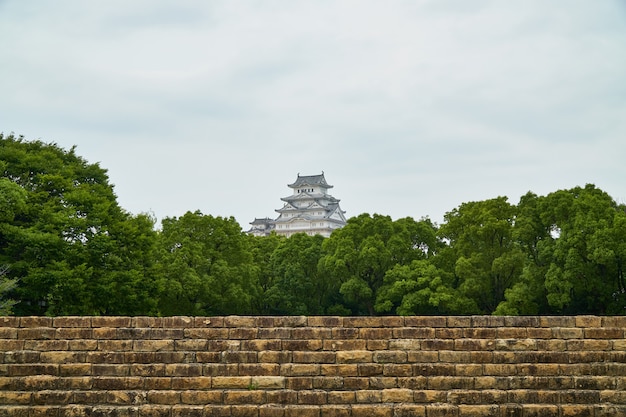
[442,410]
[480,333]
[113,321]
[240,321]
[268,382]
[299,369]
[356,383]
[64,356]
[37,333]
[362,410]
[15,397]
[414,382]
[339,333]
[413,332]
[208,322]
[242,333]
[6,321]
[249,396]
[271,410]
[302,345]
[209,333]
[369,369]
[428,396]
[577,410]
[240,357]
[164,397]
[604,333]
[299,383]
[468,369]
[340,369]
[311,333]
[354,356]
[488,321]
[283,396]
[363,322]
[459,321]
[312,397]
[83,344]
[512,333]
[32,369]
[276,357]
[36,321]
[398,370]
[244,410]
[425,321]
[303,411]
[375,333]
[231,382]
[335,411]
[479,410]
[474,344]
[409,410]
[567,332]
[383,382]
[351,344]
[74,369]
[455,356]
[341,397]
[540,410]
[183,369]
[397,395]
[325,321]
[421,356]
[259,345]
[259,369]
[313,357]
[377,344]
[11,344]
[327,382]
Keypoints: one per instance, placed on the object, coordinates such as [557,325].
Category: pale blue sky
[409,107]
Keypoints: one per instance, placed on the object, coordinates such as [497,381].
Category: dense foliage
[67,247]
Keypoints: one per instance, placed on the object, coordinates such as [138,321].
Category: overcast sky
[409,107]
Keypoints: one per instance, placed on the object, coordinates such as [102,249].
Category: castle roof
[318,198]
[318,180]
[261,220]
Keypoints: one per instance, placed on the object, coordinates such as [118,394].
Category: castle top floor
[311,184]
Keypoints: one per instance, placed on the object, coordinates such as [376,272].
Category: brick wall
[313,366]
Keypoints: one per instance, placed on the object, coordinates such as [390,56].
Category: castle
[310,209]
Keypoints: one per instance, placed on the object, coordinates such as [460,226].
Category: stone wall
[313,366]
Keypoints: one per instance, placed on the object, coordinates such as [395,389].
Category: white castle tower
[310,209]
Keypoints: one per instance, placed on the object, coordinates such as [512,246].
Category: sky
[410,108]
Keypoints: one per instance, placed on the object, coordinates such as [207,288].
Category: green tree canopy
[481,249]
[66,239]
[297,287]
[207,266]
[359,255]
[574,242]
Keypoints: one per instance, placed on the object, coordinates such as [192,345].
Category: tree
[207,266]
[297,287]
[6,286]
[262,249]
[574,243]
[70,245]
[359,255]
[420,288]
[486,259]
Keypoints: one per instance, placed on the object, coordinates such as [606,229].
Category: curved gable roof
[318,180]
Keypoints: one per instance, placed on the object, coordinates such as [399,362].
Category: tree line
[68,248]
